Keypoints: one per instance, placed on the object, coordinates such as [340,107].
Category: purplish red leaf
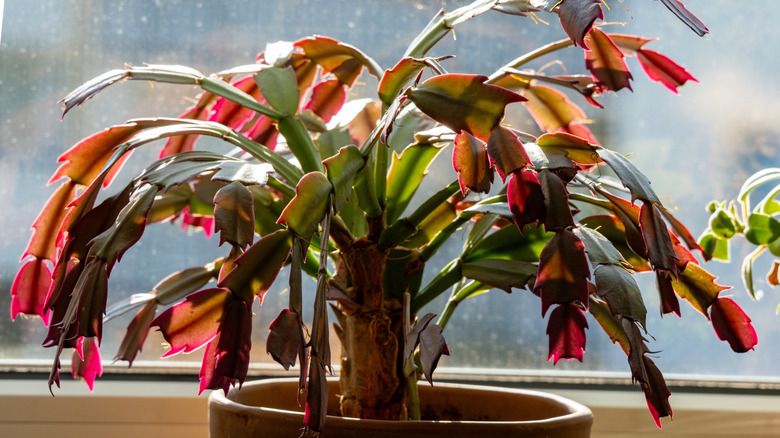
[656,392]
[432,347]
[605,62]
[563,271]
[470,160]
[506,152]
[192,323]
[86,362]
[577,17]
[660,250]
[732,324]
[566,331]
[662,69]
[525,199]
[30,289]
[327,98]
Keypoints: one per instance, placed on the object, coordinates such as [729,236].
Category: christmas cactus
[322,184]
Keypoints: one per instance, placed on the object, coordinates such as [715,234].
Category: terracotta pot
[268,408]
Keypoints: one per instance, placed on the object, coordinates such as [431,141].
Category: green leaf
[234,215]
[256,269]
[403,272]
[714,247]
[630,175]
[501,273]
[698,287]
[406,173]
[722,224]
[576,148]
[128,228]
[599,249]
[619,289]
[305,211]
[341,170]
[463,102]
[330,141]
[180,284]
[762,229]
[396,78]
[757,179]
[747,271]
[508,243]
[439,218]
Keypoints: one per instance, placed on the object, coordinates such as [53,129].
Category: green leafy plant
[325,186]
[758,225]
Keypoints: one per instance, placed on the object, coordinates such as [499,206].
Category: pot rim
[578,412]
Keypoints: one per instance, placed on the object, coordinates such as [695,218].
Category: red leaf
[192,323]
[396,78]
[233,344]
[136,333]
[46,228]
[605,62]
[525,199]
[30,289]
[628,214]
[660,250]
[327,98]
[86,362]
[662,69]
[669,301]
[656,393]
[264,132]
[556,202]
[317,397]
[470,160]
[344,61]
[285,338]
[185,143]
[577,17]
[233,114]
[733,325]
[563,271]
[506,152]
[83,162]
[432,347]
[551,109]
[463,102]
[566,329]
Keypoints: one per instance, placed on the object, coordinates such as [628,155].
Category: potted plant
[326,186]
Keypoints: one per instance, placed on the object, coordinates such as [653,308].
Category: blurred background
[695,147]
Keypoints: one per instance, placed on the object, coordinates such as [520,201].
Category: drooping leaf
[558,214]
[128,228]
[566,331]
[234,215]
[344,61]
[506,152]
[611,324]
[666,292]
[46,228]
[656,392]
[628,214]
[256,269]
[690,20]
[605,62]
[279,87]
[432,347]
[192,323]
[525,199]
[551,109]
[136,333]
[233,344]
[87,305]
[661,69]
[599,249]
[628,44]
[395,79]
[327,98]
[613,229]
[577,149]
[619,289]
[463,102]
[470,160]
[698,287]
[563,271]
[305,211]
[502,274]
[30,289]
[732,324]
[680,229]
[341,171]
[630,175]
[86,362]
[577,17]
[413,337]
[660,250]
[285,338]
[316,397]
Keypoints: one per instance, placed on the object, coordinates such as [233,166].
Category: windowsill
[152,407]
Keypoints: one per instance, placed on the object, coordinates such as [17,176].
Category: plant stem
[300,143]
[528,57]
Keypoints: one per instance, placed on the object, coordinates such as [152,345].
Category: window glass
[694,147]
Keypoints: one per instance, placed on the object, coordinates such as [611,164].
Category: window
[723,129]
